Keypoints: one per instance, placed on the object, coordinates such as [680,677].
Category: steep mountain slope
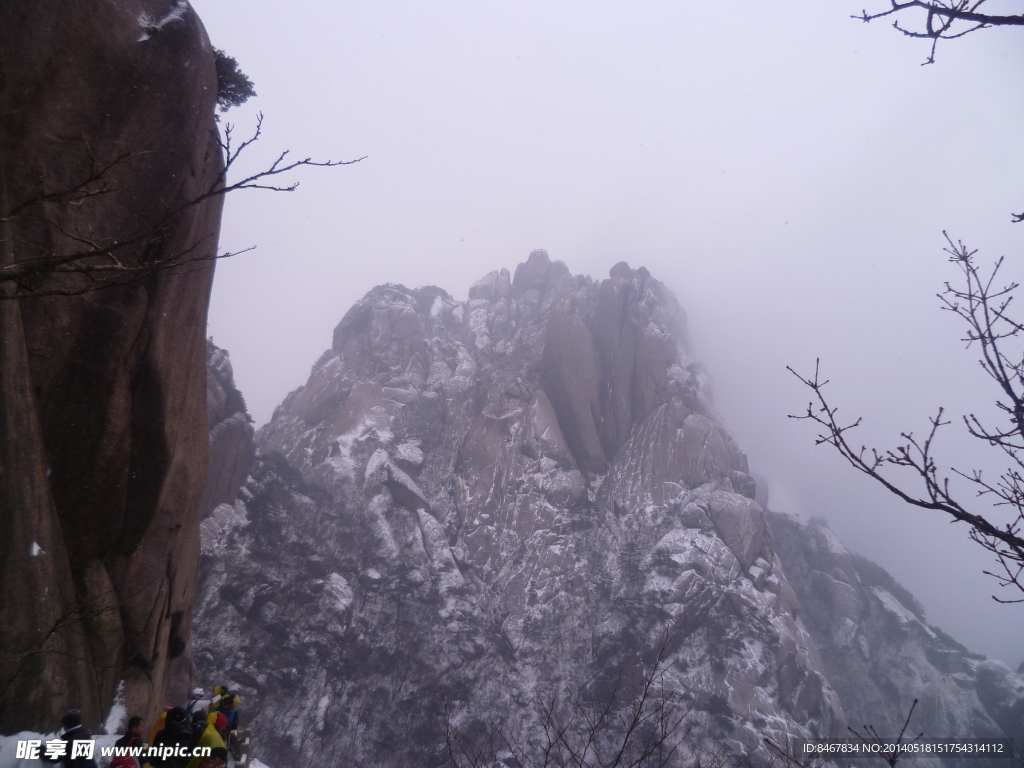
[232,441]
[483,517]
[881,654]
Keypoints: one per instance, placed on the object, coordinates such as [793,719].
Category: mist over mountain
[774,166]
[476,507]
[492,528]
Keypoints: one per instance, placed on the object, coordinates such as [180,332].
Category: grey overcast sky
[786,170]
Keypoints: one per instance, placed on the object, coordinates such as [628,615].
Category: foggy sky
[786,170]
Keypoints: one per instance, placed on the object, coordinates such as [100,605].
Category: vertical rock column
[103,424]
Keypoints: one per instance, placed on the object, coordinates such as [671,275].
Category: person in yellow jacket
[158,725]
[208,738]
[227,706]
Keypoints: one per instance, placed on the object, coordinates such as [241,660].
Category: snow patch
[341,458]
[9,750]
[846,633]
[448,576]
[410,452]
[213,531]
[377,465]
[151,25]
[118,711]
[339,591]
[374,423]
[321,707]
[437,308]
[895,608]
[835,547]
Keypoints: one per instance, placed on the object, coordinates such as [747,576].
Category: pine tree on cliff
[234,87]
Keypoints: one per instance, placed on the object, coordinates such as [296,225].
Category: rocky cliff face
[231,432]
[481,505]
[106,122]
[481,518]
[880,653]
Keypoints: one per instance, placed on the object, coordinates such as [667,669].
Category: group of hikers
[202,722]
[205,721]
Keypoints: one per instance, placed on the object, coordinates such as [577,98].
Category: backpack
[126,761]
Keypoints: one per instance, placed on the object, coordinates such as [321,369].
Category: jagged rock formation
[477,508]
[879,651]
[484,504]
[231,432]
[103,436]
[232,449]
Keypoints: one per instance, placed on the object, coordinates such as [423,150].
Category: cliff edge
[103,418]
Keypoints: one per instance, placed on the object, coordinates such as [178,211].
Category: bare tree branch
[943,19]
[892,755]
[633,726]
[105,262]
[983,305]
[94,184]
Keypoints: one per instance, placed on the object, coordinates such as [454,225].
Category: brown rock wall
[622,347]
[615,336]
[103,394]
[571,377]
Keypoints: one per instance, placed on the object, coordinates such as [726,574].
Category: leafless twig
[891,756]
[943,19]
[106,262]
[638,724]
[984,306]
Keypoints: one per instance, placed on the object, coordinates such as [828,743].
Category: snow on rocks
[214,530]
[740,523]
[151,25]
[876,649]
[478,505]
[339,592]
